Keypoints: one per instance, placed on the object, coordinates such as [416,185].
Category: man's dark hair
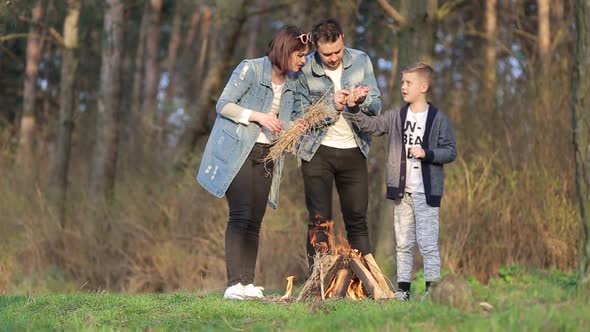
[326,31]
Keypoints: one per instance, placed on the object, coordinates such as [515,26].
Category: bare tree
[137,93]
[173,46]
[347,12]
[68,103]
[152,65]
[490,80]
[415,22]
[26,150]
[206,18]
[102,180]
[231,24]
[581,125]
[544,38]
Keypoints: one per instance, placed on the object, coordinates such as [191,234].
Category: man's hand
[269,121]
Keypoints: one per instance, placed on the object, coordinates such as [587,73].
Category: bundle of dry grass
[318,115]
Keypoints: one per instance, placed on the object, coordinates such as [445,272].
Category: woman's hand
[268,121]
[302,125]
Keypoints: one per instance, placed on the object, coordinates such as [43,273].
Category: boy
[421,141]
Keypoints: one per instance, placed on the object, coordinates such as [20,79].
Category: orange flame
[289,291]
[355,290]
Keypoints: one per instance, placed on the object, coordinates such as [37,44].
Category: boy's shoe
[402,296]
[251,291]
[235,292]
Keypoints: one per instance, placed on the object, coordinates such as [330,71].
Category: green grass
[523,300]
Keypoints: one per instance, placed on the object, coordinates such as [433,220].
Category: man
[337,153]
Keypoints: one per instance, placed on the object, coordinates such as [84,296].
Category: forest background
[105,107]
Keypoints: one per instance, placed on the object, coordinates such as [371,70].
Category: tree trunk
[346,12]
[490,56]
[152,66]
[68,102]
[581,125]
[206,17]
[213,83]
[544,38]
[137,93]
[102,180]
[417,35]
[173,46]
[26,149]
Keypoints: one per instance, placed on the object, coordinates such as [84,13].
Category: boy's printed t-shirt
[414,136]
[339,134]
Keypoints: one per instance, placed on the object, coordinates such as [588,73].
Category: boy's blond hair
[422,69]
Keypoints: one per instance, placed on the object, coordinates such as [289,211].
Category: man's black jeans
[348,169]
[246,196]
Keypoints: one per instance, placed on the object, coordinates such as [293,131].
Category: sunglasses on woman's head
[304,38]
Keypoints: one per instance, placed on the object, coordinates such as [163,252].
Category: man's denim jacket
[312,83]
[231,141]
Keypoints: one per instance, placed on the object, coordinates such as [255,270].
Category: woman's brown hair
[287,40]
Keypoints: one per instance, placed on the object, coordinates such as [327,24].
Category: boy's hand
[417,152]
[357,95]
[340,98]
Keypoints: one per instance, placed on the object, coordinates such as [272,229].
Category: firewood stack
[341,272]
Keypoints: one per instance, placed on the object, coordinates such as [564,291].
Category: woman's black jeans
[246,197]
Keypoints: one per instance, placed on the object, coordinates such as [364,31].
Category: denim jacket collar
[318,69]
[267,76]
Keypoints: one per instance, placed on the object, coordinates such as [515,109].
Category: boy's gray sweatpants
[416,222]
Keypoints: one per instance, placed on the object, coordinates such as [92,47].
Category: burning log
[325,268]
[369,282]
[340,284]
[339,271]
[376,272]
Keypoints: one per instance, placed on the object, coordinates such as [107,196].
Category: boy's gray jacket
[230,141]
[313,83]
[439,145]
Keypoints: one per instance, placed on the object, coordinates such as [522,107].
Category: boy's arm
[446,151]
[374,125]
[372,103]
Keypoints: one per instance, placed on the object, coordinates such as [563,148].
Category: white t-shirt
[414,136]
[339,134]
[265,135]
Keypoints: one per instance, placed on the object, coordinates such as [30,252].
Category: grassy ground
[522,300]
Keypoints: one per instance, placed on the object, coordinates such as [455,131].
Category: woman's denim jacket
[230,142]
[313,83]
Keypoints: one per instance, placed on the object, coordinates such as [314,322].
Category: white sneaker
[252,291]
[235,292]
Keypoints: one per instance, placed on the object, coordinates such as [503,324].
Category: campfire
[341,272]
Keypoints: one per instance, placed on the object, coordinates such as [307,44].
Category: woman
[256,103]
